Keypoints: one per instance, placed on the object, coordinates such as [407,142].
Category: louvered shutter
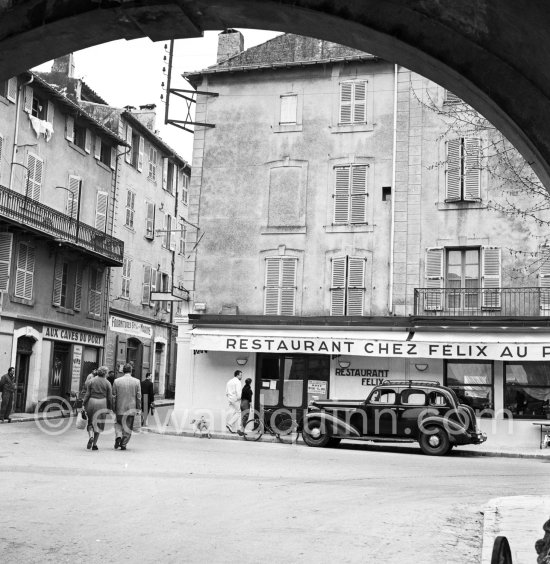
[57,282]
[164,173]
[544,276]
[72,196]
[453,190]
[50,112]
[78,287]
[29,94]
[97,147]
[150,220]
[102,199]
[359,102]
[338,286]
[346,102]
[24,277]
[154,281]
[6,244]
[141,153]
[69,128]
[341,194]
[11,93]
[146,288]
[1,145]
[358,194]
[288,286]
[490,281]
[88,141]
[113,158]
[96,288]
[34,179]
[356,286]
[174,179]
[128,154]
[434,279]
[271,303]
[288,109]
[169,289]
[472,171]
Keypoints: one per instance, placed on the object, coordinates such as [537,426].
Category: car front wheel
[435,441]
[314,434]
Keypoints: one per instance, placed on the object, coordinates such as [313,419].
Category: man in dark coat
[7,388]
[147,397]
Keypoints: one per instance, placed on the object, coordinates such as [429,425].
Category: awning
[407,344]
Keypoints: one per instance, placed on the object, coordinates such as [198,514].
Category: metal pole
[168,82]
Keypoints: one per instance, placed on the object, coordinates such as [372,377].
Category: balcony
[20,210]
[482,302]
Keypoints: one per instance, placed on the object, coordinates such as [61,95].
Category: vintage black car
[395,411]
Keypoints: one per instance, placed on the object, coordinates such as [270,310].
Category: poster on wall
[76,368]
[317,387]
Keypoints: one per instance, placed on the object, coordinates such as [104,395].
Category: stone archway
[492,54]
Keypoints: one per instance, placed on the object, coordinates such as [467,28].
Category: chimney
[64,65]
[230,43]
[146,114]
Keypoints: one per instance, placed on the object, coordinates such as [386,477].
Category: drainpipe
[21,92]
[392,201]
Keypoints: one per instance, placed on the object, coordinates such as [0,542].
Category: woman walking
[97,403]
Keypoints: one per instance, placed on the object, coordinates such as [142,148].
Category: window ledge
[78,149]
[351,228]
[63,310]
[287,128]
[461,205]
[92,316]
[351,127]
[128,228]
[103,165]
[284,229]
[23,301]
[4,100]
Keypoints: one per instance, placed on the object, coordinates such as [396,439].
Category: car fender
[334,425]
[457,433]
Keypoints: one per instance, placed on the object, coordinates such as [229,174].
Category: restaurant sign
[72,336]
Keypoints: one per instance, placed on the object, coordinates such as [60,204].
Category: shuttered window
[280,286]
[128,154]
[1,145]
[69,128]
[29,97]
[35,170]
[24,276]
[150,220]
[6,245]
[102,201]
[347,291]
[183,235]
[491,266]
[72,196]
[184,188]
[350,194]
[60,283]
[353,102]
[463,171]
[153,162]
[544,276]
[96,289]
[130,208]
[141,154]
[126,275]
[434,279]
[11,91]
[78,287]
[289,107]
[146,287]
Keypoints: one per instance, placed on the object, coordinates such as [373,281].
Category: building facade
[350,237]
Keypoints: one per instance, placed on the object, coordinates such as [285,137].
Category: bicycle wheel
[253,430]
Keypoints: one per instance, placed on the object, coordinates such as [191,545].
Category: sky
[131,73]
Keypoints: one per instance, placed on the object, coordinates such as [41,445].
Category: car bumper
[478,438]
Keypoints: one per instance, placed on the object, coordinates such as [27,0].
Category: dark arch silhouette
[492,53]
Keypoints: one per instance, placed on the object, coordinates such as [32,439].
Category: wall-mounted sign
[371,381]
[130,327]
[368,372]
[76,368]
[317,387]
[72,336]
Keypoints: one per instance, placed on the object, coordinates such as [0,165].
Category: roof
[285,51]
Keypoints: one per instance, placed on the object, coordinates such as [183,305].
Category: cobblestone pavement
[175,499]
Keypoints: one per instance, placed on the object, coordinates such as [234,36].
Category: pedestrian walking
[246,401]
[7,388]
[98,401]
[147,397]
[111,377]
[233,395]
[126,405]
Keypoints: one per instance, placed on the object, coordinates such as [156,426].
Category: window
[153,158]
[527,389]
[149,284]
[150,220]
[350,194]
[462,278]
[24,276]
[102,201]
[280,286]
[35,168]
[183,234]
[126,275]
[82,137]
[6,245]
[347,291]
[129,139]
[169,176]
[130,209]
[1,144]
[167,235]
[544,276]
[165,285]
[104,152]
[472,382]
[463,170]
[384,396]
[96,288]
[289,107]
[353,102]
[137,151]
[184,188]
[78,287]
[73,193]
[8,89]
[61,276]
[413,397]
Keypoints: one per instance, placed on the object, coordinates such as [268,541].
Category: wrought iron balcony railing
[489,302]
[21,210]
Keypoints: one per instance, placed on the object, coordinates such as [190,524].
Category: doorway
[59,371]
[159,351]
[134,356]
[22,364]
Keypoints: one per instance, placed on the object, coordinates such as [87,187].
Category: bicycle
[276,422]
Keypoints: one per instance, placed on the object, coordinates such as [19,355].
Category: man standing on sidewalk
[126,405]
[233,395]
[147,397]
[7,388]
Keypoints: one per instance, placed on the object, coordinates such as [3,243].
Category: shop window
[527,389]
[473,384]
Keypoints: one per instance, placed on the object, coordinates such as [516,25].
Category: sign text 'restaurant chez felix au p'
[360,347]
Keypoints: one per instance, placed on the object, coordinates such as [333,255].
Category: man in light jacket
[233,395]
[126,405]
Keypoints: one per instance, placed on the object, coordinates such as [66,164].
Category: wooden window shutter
[35,167]
[113,158]
[71,208]
[271,299]
[169,289]
[358,196]
[141,154]
[57,281]
[341,194]
[150,220]
[154,282]
[96,289]
[11,93]
[346,102]
[288,286]
[165,173]
[69,128]
[434,279]
[359,102]
[97,147]
[472,171]
[128,154]
[24,276]
[453,191]
[1,145]
[29,94]
[338,286]
[102,200]
[355,286]
[146,288]
[88,141]
[544,276]
[50,112]
[6,245]
[78,287]
[289,105]
[491,273]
